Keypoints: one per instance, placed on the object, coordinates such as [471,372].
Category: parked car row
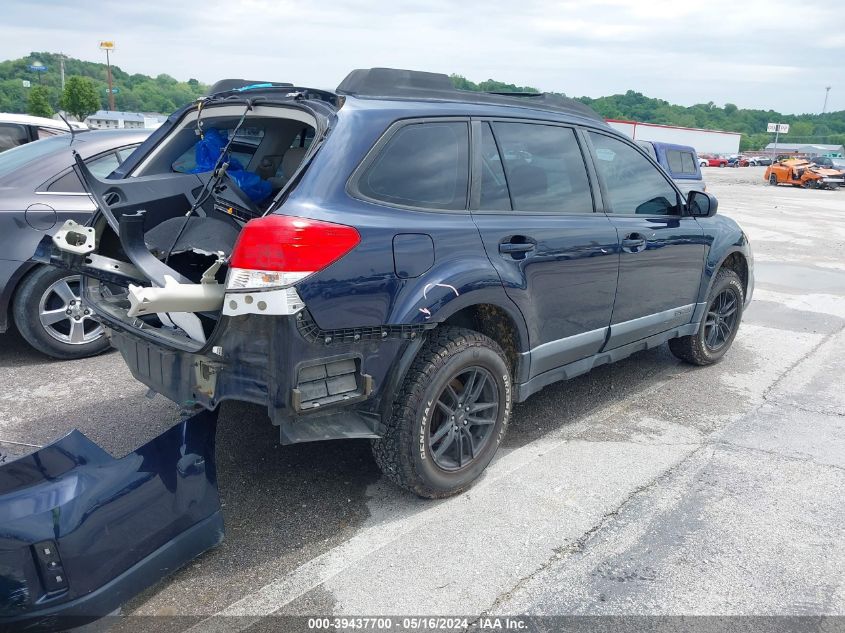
[710,160]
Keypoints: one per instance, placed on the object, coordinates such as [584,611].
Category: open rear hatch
[156,256]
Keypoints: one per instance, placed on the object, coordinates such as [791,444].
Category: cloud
[748,53]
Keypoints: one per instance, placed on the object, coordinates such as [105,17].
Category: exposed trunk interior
[175,219]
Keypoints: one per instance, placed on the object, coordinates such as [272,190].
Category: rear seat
[290,161]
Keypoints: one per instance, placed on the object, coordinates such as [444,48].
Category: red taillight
[291,244]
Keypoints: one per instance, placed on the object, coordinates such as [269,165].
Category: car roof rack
[394,83]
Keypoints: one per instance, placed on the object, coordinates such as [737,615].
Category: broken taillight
[278,250]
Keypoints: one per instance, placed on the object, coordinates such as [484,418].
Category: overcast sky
[777,54]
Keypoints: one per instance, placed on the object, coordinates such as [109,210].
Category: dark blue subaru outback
[395,260]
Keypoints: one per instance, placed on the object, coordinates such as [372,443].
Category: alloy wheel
[464,418]
[63,316]
[721,320]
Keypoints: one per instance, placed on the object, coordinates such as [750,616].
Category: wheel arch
[10,289]
[736,259]
[505,325]
[499,324]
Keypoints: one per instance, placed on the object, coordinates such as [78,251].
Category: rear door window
[494,187]
[544,168]
[422,165]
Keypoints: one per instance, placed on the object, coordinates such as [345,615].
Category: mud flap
[82,532]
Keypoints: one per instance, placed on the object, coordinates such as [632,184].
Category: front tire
[49,314]
[449,416]
[719,326]
[773,180]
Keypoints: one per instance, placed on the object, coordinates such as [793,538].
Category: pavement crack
[580,544]
[804,408]
[793,458]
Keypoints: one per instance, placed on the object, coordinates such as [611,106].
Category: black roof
[393,83]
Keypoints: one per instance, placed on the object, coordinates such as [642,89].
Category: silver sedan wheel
[63,316]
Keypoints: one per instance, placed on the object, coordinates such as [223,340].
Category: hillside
[804,128]
[136,93]
[141,93]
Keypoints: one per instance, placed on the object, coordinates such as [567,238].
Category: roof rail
[393,83]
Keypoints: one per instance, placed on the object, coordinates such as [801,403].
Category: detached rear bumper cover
[82,532]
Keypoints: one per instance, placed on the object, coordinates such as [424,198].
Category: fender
[448,288]
[726,238]
[16,271]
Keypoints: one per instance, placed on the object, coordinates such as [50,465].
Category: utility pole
[826,93]
[62,70]
[109,46]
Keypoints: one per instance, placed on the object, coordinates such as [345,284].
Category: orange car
[802,173]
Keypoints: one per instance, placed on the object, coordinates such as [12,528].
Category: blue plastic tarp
[208,151]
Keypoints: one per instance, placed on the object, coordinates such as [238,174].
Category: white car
[702,162]
[18,129]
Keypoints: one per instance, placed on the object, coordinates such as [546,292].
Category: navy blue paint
[106,515]
[413,254]
[566,284]
[665,275]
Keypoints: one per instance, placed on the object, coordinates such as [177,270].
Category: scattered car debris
[82,532]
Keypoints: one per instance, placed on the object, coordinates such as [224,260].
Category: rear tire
[49,315]
[434,446]
[719,326]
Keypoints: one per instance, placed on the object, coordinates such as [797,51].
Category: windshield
[13,159]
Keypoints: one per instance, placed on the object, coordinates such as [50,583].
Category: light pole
[62,69]
[826,92]
[109,46]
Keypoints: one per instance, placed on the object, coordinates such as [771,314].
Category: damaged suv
[395,260]
[398,260]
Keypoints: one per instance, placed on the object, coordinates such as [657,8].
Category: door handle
[510,248]
[634,243]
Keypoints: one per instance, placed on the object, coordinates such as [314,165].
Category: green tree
[38,103]
[80,97]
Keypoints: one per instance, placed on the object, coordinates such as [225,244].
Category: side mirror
[702,205]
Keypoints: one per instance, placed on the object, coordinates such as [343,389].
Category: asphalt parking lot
[647,487]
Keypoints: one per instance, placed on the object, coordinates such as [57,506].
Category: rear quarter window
[423,165]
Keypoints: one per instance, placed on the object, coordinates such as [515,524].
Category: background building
[704,141]
[806,149]
[103,120]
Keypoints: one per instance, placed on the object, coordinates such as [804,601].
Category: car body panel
[83,531]
[564,287]
[662,279]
